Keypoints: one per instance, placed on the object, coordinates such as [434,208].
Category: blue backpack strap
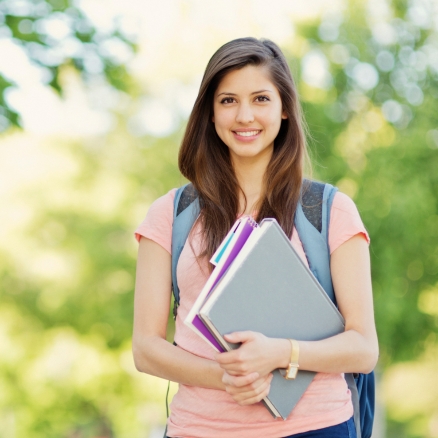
[362,387]
[185,211]
[312,219]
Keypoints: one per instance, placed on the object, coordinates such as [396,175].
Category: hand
[249,389]
[257,354]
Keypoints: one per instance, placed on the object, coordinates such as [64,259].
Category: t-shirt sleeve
[345,222]
[158,222]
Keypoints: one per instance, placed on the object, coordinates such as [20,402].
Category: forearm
[347,352]
[354,350]
[154,355]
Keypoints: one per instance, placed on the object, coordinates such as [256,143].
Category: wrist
[284,351]
[219,372]
[292,369]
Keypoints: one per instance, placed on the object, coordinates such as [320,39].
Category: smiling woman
[244,151]
[247,115]
[234,173]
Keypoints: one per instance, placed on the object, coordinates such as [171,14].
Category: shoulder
[163,205]
[157,225]
[343,202]
[345,221]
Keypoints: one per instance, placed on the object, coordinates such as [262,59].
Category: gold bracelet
[292,369]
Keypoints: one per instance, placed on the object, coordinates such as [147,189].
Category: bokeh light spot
[315,72]
[392,111]
[385,60]
[428,301]
[365,75]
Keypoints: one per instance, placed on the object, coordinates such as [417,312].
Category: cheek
[273,118]
[222,120]
[219,125]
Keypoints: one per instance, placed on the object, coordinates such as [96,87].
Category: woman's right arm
[152,353]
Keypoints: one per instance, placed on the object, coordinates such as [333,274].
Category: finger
[256,385]
[249,395]
[258,391]
[232,361]
[237,337]
[234,356]
[237,368]
[240,381]
[225,358]
[256,398]
[234,373]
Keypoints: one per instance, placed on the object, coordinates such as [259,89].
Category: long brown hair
[204,158]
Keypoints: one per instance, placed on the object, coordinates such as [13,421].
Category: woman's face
[247,113]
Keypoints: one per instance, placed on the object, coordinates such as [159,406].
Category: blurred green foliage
[369,90]
[55,34]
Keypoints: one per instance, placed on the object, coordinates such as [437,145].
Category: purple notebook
[241,234]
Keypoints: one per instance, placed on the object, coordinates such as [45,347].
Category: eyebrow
[234,94]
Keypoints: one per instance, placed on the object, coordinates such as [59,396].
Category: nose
[244,114]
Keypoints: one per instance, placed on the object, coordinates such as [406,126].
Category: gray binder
[268,289]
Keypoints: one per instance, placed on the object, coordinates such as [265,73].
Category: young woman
[244,150]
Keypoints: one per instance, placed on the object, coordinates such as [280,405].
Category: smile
[247,133]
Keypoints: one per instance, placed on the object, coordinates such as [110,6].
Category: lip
[246,137]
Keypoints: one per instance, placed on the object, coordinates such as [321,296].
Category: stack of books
[260,283]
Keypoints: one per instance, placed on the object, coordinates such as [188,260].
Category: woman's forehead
[246,80]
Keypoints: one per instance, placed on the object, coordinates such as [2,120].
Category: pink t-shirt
[201,412]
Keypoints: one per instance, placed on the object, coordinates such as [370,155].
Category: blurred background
[94,97]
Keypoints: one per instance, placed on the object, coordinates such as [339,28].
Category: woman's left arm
[354,350]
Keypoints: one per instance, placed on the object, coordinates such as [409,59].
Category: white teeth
[247,133]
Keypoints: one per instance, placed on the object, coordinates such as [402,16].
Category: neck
[250,176]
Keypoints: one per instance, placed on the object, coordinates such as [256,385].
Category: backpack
[312,219]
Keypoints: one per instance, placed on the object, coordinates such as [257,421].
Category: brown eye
[262,99]
[227,100]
